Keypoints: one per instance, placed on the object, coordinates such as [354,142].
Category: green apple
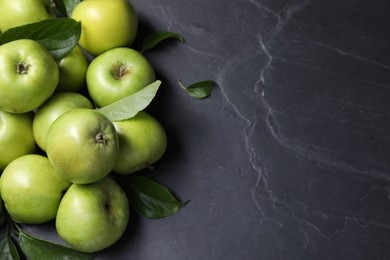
[106,24]
[2,210]
[142,142]
[54,107]
[29,75]
[92,217]
[73,70]
[32,189]
[19,12]
[118,73]
[82,144]
[16,136]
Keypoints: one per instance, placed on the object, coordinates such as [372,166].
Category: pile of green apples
[58,154]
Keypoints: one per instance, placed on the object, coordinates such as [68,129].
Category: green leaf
[66,7]
[36,249]
[150,199]
[58,35]
[71,5]
[8,249]
[60,7]
[129,106]
[200,89]
[155,38]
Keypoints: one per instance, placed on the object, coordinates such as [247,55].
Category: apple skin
[142,142]
[92,217]
[16,136]
[31,189]
[73,70]
[82,144]
[54,107]
[29,75]
[2,210]
[106,24]
[118,73]
[19,12]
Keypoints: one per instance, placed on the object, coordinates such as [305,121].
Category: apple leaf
[58,35]
[60,7]
[150,199]
[129,106]
[36,249]
[200,89]
[155,38]
[8,249]
[66,7]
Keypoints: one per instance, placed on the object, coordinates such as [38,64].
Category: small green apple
[73,70]
[142,142]
[106,24]
[82,144]
[28,75]
[54,107]
[16,136]
[31,189]
[2,210]
[19,12]
[118,73]
[92,217]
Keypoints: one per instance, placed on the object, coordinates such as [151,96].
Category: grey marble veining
[288,159]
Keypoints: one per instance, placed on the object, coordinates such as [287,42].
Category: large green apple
[28,75]
[54,107]
[73,70]
[106,24]
[31,189]
[19,12]
[118,73]
[92,217]
[82,144]
[142,142]
[16,136]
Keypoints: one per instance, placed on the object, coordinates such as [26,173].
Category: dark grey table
[289,158]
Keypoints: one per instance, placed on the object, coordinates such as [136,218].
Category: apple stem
[120,71]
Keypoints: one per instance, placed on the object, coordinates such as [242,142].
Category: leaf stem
[18,228]
[181,84]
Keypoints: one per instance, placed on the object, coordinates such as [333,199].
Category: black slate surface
[289,156]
